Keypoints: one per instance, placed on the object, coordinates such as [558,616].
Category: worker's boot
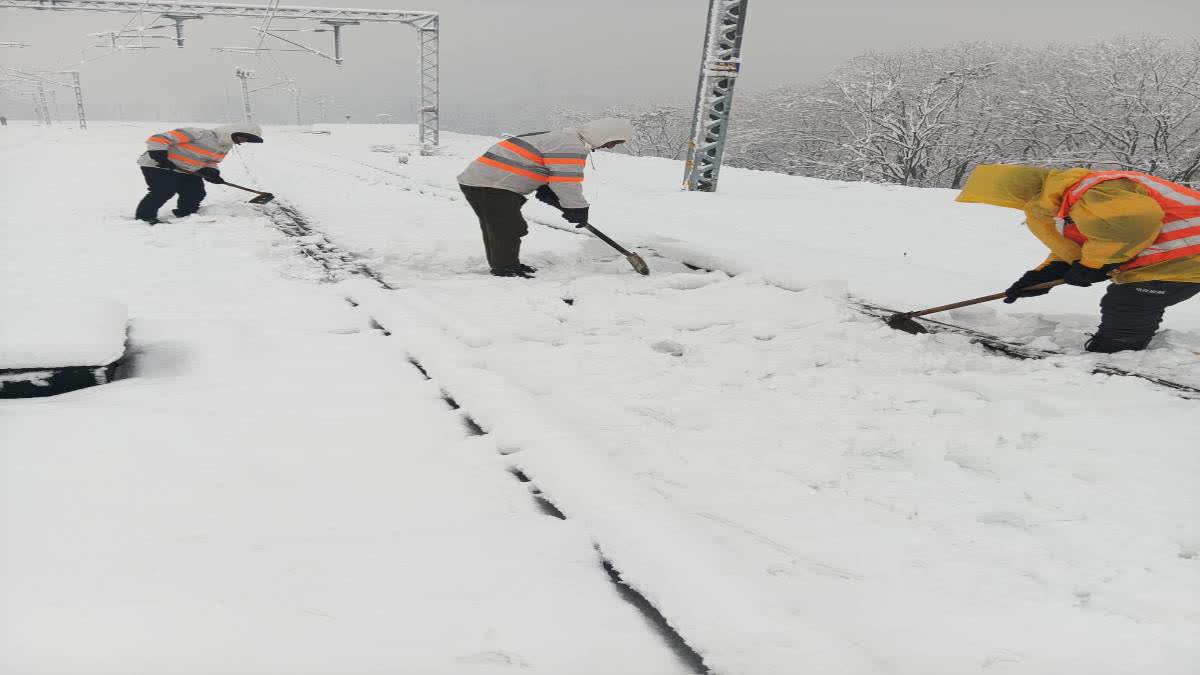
[513,271]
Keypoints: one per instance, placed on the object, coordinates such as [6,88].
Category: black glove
[545,195]
[160,158]
[211,175]
[577,216]
[1082,275]
[1051,272]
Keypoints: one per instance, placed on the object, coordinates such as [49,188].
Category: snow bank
[49,331]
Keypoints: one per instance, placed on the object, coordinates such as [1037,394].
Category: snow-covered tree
[926,117]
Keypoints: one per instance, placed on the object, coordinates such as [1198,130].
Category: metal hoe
[904,320]
[634,259]
[262,198]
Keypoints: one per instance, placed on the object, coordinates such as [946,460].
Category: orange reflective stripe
[158,138]
[536,159]
[565,179]
[563,160]
[201,151]
[179,137]
[187,160]
[511,169]
[1143,260]
[1180,233]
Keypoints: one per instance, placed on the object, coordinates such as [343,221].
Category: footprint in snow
[668,347]
[495,658]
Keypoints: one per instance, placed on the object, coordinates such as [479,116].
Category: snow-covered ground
[794,486]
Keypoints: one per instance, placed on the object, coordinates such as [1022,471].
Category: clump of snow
[52,331]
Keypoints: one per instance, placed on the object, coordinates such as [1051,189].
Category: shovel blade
[905,323]
[262,199]
[638,264]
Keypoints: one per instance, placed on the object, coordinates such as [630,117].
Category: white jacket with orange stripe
[192,148]
[524,163]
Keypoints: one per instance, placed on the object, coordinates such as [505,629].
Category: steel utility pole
[243,75]
[719,68]
[41,95]
[427,116]
[54,106]
[323,103]
[78,99]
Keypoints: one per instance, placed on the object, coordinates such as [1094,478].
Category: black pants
[500,219]
[162,185]
[1131,313]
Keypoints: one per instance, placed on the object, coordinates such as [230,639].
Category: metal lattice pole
[296,95]
[41,98]
[78,99]
[427,116]
[719,68]
[244,75]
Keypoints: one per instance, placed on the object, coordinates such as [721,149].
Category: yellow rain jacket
[1117,217]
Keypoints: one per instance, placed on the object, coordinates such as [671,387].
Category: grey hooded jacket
[522,164]
[192,148]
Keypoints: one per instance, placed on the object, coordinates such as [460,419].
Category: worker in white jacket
[180,160]
[548,162]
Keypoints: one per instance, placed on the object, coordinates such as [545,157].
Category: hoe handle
[976,301]
[605,238]
[235,185]
[232,185]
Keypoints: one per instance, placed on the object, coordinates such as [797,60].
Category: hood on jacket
[1036,191]
[607,130]
[225,133]
[1009,185]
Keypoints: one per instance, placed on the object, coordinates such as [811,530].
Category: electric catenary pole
[179,11]
[35,85]
[244,74]
[427,116]
[78,99]
[719,69]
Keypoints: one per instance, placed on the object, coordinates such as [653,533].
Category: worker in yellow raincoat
[1139,231]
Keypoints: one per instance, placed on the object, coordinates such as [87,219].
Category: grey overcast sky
[505,63]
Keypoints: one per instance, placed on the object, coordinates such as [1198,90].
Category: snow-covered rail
[340,265]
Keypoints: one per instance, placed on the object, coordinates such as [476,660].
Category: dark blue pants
[1131,313]
[162,185]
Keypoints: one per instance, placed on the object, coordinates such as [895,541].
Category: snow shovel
[634,259]
[262,198]
[904,320]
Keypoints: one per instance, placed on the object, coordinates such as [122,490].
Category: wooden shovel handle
[976,301]
[232,185]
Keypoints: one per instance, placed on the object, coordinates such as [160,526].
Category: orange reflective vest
[188,148]
[1180,234]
